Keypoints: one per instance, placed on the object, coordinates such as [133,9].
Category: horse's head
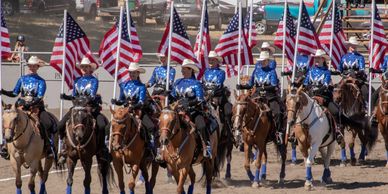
[10,121]
[81,122]
[168,121]
[337,97]
[294,102]
[239,111]
[349,96]
[119,125]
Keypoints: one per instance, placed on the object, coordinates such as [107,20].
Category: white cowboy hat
[353,41]
[135,67]
[34,60]
[159,55]
[86,61]
[266,45]
[213,54]
[321,53]
[190,64]
[264,55]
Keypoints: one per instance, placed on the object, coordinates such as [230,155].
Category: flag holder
[333,13]
[239,44]
[169,50]
[371,58]
[1,99]
[297,42]
[201,31]
[284,47]
[250,32]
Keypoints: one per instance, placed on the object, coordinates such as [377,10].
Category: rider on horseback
[87,86]
[317,82]
[159,77]
[271,50]
[353,65]
[190,94]
[302,66]
[133,94]
[213,81]
[265,80]
[32,88]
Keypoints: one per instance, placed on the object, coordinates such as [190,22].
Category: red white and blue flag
[380,43]
[77,46]
[203,59]
[254,39]
[5,42]
[308,39]
[130,49]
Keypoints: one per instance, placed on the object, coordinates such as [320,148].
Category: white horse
[312,130]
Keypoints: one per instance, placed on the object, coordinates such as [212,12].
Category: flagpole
[239,42]
[128,20]
[1,99]
[371,58]
[169,50]
[297,42]
[63,72]
[250,30]
[333,14]
[284,46]
[201,30]
[116,68]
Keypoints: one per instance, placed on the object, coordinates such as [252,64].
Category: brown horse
[348,96]
[180,148]
[25,146]
[252,117]
[128,148]
[382,113]
[81,145]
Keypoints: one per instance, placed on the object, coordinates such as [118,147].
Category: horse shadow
[355,185]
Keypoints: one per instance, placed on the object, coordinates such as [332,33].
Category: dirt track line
[51,172]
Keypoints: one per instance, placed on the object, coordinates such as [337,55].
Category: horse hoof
[139,182]
[170,180]
[263,182]
[361,162]
[293,163]
[343,164]
[353,162]
[255,185]
[281,181]
[308,185]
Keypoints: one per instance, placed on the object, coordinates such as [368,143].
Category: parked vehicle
[90,8]
[10,6]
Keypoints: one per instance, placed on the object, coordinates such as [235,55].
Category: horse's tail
[371,135]
[106,170]
[225,143]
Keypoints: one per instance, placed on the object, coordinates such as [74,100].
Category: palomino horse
[25,146]
[128,148]
[180,148]
[253,118]
[81,145]
[382,113]
[353,116]
[312,130]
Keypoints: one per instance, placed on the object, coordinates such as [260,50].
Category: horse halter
[123,144]
[13,125]
[171,132]
[79,146]
[383,91]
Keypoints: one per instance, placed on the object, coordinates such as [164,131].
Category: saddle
[332,123]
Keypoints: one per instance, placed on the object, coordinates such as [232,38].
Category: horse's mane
[351,98]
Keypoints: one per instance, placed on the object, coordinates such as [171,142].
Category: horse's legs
[190,190]
[118,165]
[155,169]
[33,170]
[293,153]
[283,154]
[144,173]
[343,154]
[228,174]
[309,161]
[103,167]
[263,170]
[132,179]
[259,156]
[326,178]
[182,178]
[48,162]
[87,165]
[209,175]
[247,166]
[351,148]
[18,179]
[70,165]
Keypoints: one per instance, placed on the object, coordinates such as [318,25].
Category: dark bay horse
[382,114]
[81,145]
[252,117]
[180,148]
[353,116]
[129,150]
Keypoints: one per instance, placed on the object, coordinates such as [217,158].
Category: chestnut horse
[252,117]
[353,116]
[382,113]
[129,150]
[180,148]
[312,130]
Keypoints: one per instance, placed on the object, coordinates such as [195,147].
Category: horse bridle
[297,111]
[173,132]
[79,146]
[383,91]
[120,121]
[14,126]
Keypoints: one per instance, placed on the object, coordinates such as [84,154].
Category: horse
[226,136]
[25,146]
[81,145]
[128,148]
[252,116]
[382,113]
[180,148]
[312,131]
[353,117]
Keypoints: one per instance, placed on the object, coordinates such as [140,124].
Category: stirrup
[207,153]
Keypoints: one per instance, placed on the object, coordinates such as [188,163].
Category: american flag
[308,39]
[180,44]
[380,43]
[339,38]
[5,42]
[130,49]
[77,46]
[227,46]
[290,36]
[205,46]
[254,39]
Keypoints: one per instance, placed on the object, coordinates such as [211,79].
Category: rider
[134,92]
[87,86]
[159,76]
[265,79]
[302,66]
[353,64]
[190,92]
[213,80]
[267,47]
[32,88]
[317,82]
